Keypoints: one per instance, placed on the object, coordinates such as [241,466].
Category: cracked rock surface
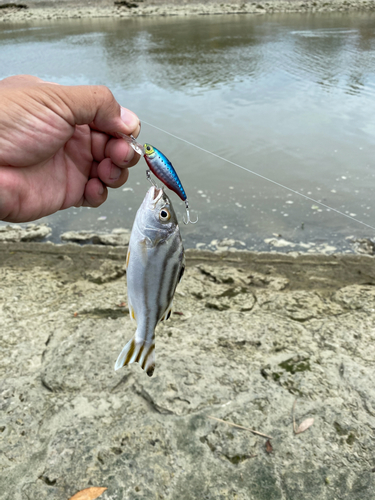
[250,334]
[32,232]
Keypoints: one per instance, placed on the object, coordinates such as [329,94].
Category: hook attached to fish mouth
[157,193]
[158,196]
[188,215]
[149,178]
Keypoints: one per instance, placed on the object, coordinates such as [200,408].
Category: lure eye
[164,215]
[148,149]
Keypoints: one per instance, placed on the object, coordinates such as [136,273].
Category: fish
[155,264]
[160,166]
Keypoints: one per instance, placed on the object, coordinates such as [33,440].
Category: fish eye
[148,148]
[164,215]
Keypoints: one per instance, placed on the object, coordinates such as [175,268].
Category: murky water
[291,97]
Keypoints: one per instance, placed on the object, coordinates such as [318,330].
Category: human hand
[58,147]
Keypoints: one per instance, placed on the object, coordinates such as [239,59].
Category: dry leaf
[269,448]
[88,493]
[304,425]
[239,426]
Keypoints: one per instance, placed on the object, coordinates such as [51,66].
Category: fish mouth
[155,194]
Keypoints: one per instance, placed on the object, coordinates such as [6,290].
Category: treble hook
[149,178]
[188,215]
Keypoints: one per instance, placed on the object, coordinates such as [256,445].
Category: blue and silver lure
[163,169]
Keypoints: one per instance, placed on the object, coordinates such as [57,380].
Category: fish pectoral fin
[142,353]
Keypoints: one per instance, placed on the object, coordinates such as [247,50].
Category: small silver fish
[155,264]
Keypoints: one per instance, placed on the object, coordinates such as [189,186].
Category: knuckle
[103,92]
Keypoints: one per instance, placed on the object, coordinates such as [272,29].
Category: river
[288,96]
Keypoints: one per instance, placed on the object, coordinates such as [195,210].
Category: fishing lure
[162,168]
[164,171]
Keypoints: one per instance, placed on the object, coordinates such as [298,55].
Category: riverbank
[66,9]
[251,333]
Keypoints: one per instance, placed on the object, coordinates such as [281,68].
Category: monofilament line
[261,176]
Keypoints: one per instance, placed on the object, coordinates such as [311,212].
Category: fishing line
[261,176]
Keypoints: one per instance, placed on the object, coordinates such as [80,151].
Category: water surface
[288,96]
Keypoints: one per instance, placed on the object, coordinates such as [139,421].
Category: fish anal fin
[167,313]
[182,270]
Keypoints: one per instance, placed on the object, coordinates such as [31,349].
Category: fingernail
[101,190]
[130,155]
[129,118]
[115,173]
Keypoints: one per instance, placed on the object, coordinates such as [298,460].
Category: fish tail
[141,352]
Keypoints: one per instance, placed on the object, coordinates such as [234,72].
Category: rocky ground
[250,334]
[26,10]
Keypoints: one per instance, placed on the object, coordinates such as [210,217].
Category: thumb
[92,105]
